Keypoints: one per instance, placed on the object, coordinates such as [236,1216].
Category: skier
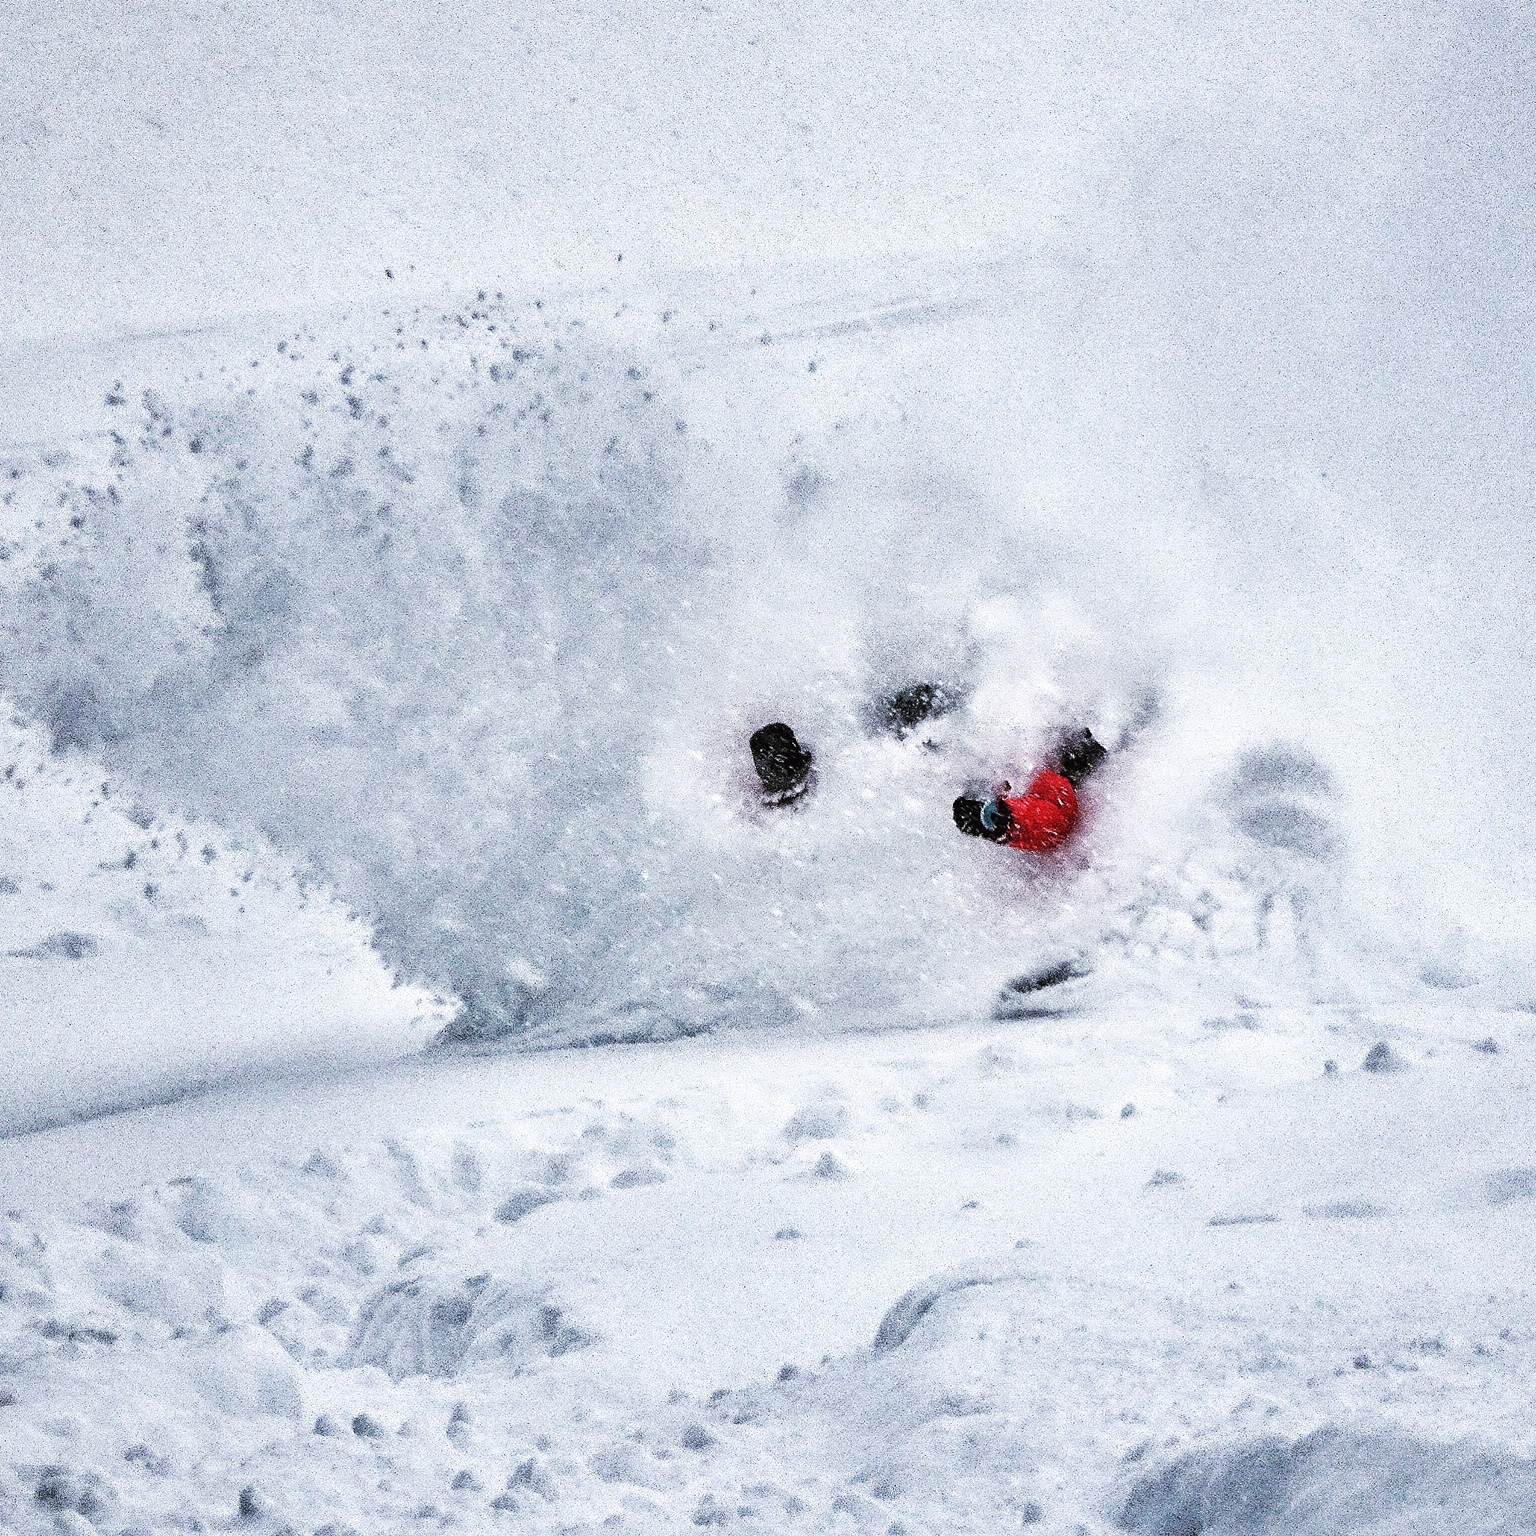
[782,764]
[1044,816]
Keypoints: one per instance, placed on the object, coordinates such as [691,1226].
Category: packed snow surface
[1129,1270]
[438,1093]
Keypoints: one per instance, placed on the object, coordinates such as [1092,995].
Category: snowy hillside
[145,956]
[438,1092]
[1122,1269]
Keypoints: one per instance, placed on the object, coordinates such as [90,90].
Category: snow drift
[1334,1480]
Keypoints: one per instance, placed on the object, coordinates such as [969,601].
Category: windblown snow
[472,620]
[439,1093]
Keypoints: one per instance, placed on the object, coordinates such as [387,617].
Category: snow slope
[432,444]
[1070,1274]
[145,956]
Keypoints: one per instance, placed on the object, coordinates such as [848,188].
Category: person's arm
[996,819]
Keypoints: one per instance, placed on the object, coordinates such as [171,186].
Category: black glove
[1079,754]
[968,816]
[781,762]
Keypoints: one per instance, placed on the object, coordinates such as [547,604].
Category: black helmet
[988,818]
[903,711]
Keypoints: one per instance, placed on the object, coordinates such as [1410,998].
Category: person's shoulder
[1050,785]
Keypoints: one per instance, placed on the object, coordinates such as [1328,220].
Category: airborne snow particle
[520,1202]
[1382,1058]
[253,1503]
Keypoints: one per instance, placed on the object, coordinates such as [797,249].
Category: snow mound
[1336,1482]
[416,1327]
[345,1333]
[897,1324]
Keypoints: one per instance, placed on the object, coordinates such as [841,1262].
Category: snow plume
[419,650]
[1203,417]
[473,620]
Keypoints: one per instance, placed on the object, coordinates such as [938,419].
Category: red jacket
[1044,815]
